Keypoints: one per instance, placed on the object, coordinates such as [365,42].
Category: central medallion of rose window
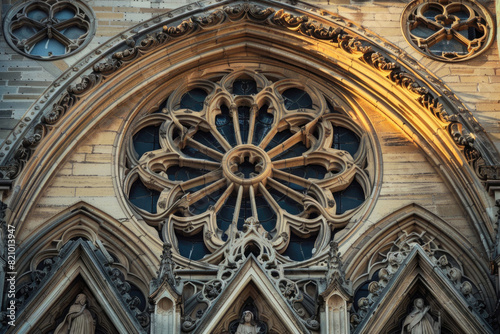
[242,147]
[247,165]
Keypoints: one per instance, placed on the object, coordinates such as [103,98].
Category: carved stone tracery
[391,259]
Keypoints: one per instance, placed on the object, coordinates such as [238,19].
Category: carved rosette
[256,154]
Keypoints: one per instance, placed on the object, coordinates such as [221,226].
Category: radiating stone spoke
[204,149]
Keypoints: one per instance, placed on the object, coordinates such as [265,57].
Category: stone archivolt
[252,148]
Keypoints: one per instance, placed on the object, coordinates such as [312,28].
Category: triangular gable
[417,266]
[250,273]
[80,260]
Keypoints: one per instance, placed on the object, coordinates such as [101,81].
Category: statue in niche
[78,320]
[419,321]
[247,324]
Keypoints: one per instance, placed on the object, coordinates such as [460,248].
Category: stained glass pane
[346,140]
[224,124]
[349,198]
[193,99]
[263,123]
[147,139]
[192,247]
[244,119]
[143,197]
[300,249]
[296,98]
[48,47]
[244,87]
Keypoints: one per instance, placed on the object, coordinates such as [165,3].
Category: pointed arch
[416,219]
[419,269]
[79,263]
[83,220]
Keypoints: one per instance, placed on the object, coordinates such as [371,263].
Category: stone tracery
[246,148]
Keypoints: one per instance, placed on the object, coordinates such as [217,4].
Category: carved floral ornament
[247,149]
[448,30]
[340,37]
[50,29]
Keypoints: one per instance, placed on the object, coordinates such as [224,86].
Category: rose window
[49,29]
[241,147]
[448,30]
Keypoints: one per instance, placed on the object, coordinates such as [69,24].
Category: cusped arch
[83,221]
[416,220]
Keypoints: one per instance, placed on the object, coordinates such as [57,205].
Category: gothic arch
[85,221]
[361,257]
[368,69]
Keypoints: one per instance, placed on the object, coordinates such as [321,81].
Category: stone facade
[427,228]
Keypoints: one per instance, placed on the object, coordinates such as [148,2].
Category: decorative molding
[392,259]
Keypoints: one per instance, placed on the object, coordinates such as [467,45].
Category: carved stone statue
[419,321]
[78,320]
[247,324]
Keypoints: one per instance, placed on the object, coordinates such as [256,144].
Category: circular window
[48,30]
[448,30]
[240,149]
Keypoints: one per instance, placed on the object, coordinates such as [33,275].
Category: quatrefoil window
[242,147]
[448,30]
[51,29]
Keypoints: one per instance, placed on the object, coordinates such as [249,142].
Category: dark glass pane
[224,124]
[346,140]
[177,173]
[296,98]
[48,47]
[451,45]
[143,197]
[349,198]
[64,14]
[300,249]
[422,32]
[279,138]
[204,203]
[192,247]
[244,87]
[291,185]
[247,168]
[225,214]
[37,14]
[263,124]
[267,216]
[294,151]
[208,139]
[73,32]
[463,15]
[244,122]
[193,99]
[431,13]
[308,172]
[286,203]
[24,32]
[147,139]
